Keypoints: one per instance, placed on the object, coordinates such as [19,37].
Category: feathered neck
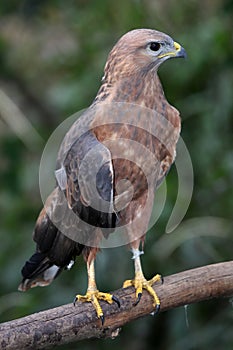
[143,88]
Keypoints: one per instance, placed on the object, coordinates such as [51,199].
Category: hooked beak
[178,51]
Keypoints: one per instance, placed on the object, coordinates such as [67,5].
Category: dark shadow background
[52,55]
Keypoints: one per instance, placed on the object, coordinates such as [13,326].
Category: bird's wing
[89,189]
[85,172]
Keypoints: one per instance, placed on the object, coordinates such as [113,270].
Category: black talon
[102,319]
[138,299]
[114,298]
[157,308]
[162,279]
[74,302]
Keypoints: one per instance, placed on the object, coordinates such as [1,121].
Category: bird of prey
[108,168]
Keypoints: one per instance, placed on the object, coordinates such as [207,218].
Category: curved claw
[162,279]
[157,308]
[114,298]
[75,300]
[138,299]
[156,311]
[102,318]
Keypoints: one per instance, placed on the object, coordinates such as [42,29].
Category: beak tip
[182,53]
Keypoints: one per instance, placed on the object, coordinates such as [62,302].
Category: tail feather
[38,271]
[35,265]
[54,251]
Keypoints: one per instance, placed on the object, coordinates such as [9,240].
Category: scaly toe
[128,283]
[155,279]
[151,291]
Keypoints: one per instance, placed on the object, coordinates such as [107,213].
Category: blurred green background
[52,55]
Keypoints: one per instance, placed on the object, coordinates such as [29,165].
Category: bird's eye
[155,46]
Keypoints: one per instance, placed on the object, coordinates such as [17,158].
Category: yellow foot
[141,283]
[94,297]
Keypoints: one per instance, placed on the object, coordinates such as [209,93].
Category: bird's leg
[93,295]
[140,283]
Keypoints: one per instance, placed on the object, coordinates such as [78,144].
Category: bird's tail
[38,271]
[54,250]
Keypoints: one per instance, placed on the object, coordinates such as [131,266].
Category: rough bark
[67,323]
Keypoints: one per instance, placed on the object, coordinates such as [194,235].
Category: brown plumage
[133,131]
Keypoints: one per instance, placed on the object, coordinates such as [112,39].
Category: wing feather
[89,190]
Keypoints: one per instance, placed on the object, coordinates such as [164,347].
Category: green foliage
[52,55]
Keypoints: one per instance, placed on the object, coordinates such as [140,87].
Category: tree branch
[67,323]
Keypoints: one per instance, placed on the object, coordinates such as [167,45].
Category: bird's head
[141,50]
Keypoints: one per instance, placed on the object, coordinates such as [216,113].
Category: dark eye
[155,46]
